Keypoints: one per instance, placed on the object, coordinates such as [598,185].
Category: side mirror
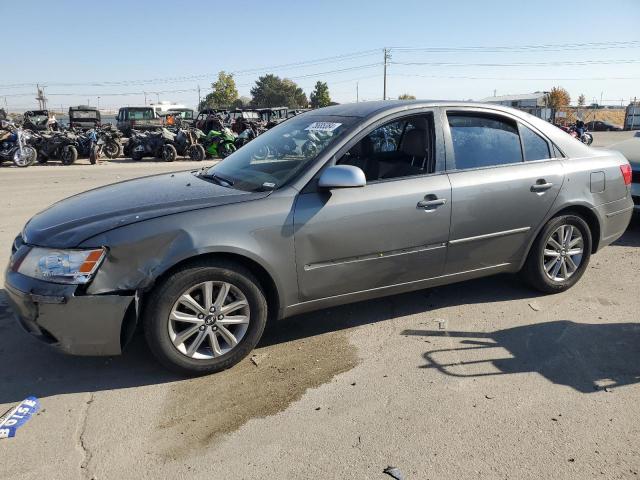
[342,176]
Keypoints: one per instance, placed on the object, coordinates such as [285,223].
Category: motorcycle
[13,146]
[159,144]
[112,141]
[57,145]
[219,143]
[585,138]
[187,143]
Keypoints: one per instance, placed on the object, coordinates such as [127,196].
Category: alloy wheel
[563,252]
[209,320]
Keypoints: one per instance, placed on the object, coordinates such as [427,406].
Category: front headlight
[61,266]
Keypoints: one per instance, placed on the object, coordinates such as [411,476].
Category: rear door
[504,180]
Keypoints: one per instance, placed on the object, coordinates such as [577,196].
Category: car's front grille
[635,176]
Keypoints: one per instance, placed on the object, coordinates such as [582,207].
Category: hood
[69,222]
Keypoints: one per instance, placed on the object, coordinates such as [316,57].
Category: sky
[461,50]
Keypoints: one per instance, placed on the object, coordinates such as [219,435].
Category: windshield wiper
[225,182]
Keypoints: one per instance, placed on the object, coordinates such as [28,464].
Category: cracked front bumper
[79,325]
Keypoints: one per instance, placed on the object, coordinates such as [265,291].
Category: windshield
[84,114]
[278,155]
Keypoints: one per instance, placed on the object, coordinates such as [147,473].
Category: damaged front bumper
[77,324]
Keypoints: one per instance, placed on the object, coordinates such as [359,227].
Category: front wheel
[168,153]
[204,318]
[226,149]
[112,149]
[560,255]
[94,154]
[69,155]
[25,157]
[196,152]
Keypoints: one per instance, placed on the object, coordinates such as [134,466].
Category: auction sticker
[323,126]
[18,416]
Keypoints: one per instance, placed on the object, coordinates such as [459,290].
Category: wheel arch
[582,210]
[264,277]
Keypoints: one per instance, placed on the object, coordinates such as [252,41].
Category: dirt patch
[198,411]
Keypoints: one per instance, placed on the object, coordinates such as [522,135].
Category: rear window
[535,147]
[146,114]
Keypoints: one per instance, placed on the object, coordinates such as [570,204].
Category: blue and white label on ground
[18,416]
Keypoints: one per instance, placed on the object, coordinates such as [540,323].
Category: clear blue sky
[176,45]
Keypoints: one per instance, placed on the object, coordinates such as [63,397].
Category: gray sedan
[336,205]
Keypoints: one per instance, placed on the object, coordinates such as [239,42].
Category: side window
[402,148]
[535,147]
[483,141]
[387,137]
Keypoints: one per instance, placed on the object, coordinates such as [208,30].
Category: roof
[513,98]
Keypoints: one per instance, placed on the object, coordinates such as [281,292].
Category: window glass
[535,147]
[402,148]
[480,141]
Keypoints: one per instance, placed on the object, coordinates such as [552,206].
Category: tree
[224,92]
[406,96]
[582,100]
[320,96]
[558,97]
[272,91]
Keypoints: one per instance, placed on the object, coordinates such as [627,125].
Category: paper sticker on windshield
[323,126]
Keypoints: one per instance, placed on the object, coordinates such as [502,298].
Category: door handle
[541,186]
[428,204]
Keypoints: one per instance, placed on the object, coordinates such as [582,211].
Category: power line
[519,48]
[520,64]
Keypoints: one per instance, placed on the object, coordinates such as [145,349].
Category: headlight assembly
[61,266]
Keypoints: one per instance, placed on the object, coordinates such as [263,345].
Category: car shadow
[585,357]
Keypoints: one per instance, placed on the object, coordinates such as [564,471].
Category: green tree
[582,100]
[320,96]
[273,91]
[224,92]
[406,96]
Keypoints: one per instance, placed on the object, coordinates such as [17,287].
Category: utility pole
[145,98]
[357,93]
[199,100]
[387,56]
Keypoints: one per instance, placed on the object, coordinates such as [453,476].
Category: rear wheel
[168,153]
[69,155]
[205,318]
[560,255]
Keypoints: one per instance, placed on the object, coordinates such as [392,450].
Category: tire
[27,158]
[112,149]
[226,149]
[535,272]
[161,332]
[41,158]
[168,153]
[94,155]
[197,153]
[69,155]
[137,156]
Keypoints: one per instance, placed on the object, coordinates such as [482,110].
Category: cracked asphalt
[483,379]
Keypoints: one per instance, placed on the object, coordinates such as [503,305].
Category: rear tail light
[626,173]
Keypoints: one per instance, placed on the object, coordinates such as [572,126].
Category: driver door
[391,232]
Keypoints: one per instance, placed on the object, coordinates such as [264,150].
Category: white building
[533,103]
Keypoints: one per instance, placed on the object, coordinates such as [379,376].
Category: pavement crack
[80,438]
